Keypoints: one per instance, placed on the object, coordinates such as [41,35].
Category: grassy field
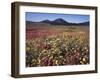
[57,45]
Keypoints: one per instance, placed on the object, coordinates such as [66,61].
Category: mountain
[84,23]
[36,24]
[58,21]
[46,21]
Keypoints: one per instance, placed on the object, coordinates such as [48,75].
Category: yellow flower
[84,59]
[44,51]
[87,50]
[27,48]
[56,61]
[74,51]
[81,62]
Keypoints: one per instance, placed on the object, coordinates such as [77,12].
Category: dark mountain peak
[60,20]
[46,21]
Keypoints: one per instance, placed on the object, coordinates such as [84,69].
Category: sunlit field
[57,45]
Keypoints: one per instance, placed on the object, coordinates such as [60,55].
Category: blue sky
[73,18]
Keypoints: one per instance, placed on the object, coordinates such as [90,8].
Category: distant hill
[84,23]
[58,21]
